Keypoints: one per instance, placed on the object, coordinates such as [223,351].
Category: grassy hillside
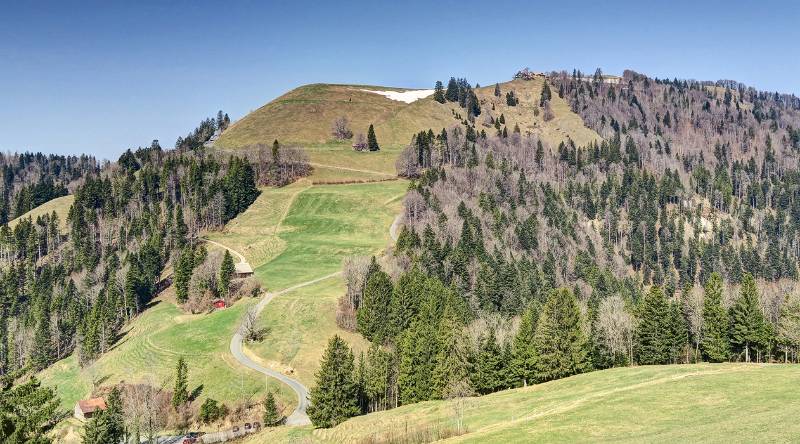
[150,348]
[304,116]
[298,233]
[290,235]
[60,205]
[696,403]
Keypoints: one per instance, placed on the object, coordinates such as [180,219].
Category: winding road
[298,416]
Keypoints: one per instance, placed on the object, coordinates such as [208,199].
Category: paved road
[298,416]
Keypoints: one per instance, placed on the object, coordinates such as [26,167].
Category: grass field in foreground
[60,205]
[680,403]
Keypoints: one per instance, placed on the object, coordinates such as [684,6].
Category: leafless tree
[341,129]
[615,326]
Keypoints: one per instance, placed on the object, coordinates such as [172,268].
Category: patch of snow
[404,96]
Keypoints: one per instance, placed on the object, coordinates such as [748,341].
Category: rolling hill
[304,116]
[696,403]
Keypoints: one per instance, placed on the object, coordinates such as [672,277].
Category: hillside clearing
[60,205]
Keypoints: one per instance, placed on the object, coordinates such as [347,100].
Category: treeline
[204,132]
[461,92]
[428,344]
[31,179]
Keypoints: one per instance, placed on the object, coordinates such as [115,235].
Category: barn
[243,270]
[86,408]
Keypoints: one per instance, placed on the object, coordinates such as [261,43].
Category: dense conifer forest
[673,239]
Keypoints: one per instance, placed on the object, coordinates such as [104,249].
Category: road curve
[238,255]
[298,416]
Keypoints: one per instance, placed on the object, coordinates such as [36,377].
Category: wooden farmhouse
[86,408]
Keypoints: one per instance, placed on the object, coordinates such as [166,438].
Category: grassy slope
[694,403]
[60,205]
[301,232]
[304,115]
[150,348]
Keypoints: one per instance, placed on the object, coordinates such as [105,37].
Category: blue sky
[102,77]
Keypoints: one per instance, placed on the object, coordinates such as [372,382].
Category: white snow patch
[404,96]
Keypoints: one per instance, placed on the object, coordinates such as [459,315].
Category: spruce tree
[107,426]
[183,273]
[272,417]
[546,94]
[560,344]
[226,270]
[524,350]
[488,375]
[438,92]
[372,141]
[452,90]
[746,319]
[715,322]
[373,313]
[497,90]
[42,354]
[180,394]
[181,230]
[334,399]
[450,371]
[653,333]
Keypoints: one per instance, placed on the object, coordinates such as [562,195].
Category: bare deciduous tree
[615,327]
[341,129]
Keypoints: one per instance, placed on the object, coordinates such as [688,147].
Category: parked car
[247,426]
[235,429]
[189,440]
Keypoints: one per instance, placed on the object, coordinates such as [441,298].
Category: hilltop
[304,116]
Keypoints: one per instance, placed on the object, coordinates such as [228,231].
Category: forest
[673,239]
[133,229]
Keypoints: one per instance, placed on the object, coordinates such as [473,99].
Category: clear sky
[102,77]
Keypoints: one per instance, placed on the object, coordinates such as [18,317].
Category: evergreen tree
[181,230]
[373,313]
[715,322]
[524,350]
[450,371]
[560,344]
[746,319]
[546,94]
[653,344]
[42,354]
[372,141]
[334,399]
[180,394]
[489,373]
[272,417]
[452,90]
[497,90]
[226,270]
[183,273]
[438,92]
[28,410]
[211,411]
[107,426]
